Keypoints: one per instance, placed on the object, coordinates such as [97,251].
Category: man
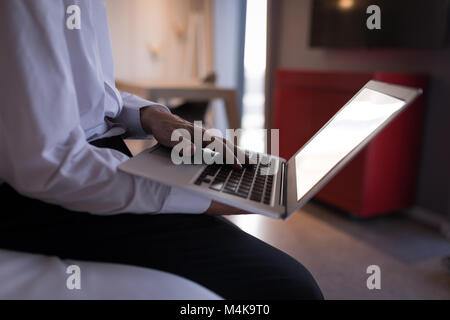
[61,128]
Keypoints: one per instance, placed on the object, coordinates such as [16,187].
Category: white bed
[29,276]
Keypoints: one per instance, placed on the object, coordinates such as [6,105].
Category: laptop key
[231,188]
[200,179]
[248,182]
[255,198]
[217,185]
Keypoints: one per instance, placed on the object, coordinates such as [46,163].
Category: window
[254,76]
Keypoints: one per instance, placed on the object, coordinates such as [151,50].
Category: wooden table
[188,91]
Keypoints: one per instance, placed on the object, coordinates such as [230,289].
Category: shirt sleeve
[129,117]
[43,149]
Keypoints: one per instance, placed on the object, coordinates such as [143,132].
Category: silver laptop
[288,185]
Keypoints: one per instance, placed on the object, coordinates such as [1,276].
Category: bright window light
[254,75]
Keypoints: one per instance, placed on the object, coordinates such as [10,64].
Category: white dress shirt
[57,93]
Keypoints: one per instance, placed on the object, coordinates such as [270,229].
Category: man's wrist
[145,116]
[150,115]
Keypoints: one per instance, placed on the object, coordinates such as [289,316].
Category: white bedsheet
[29,276]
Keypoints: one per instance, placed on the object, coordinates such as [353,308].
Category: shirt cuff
[131,116]
[184,201]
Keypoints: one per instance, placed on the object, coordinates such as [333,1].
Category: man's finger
[187,146]
[240,154]
[227,153]
[230,157]
[231,153]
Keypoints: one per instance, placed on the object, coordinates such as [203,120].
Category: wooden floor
[338,249]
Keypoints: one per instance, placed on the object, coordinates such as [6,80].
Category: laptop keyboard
[250,182]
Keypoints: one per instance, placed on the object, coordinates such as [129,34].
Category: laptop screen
[346,131]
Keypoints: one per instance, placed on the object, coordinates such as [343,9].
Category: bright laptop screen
[348,129]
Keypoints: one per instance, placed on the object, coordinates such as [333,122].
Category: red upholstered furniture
[382,178]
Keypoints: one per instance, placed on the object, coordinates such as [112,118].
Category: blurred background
[290,65]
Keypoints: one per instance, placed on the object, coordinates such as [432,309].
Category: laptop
[276,187]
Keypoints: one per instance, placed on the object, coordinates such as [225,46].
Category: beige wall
[289,25]
[161,39]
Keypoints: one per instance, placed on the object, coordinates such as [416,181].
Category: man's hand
[161,125]
[220,209]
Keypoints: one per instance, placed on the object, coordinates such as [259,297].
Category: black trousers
[208,250]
